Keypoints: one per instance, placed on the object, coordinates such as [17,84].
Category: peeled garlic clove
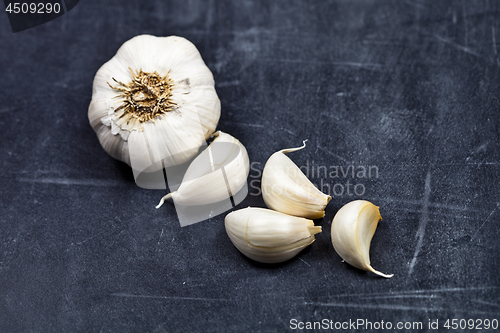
[220,171]
[286,189]
[268,236]
[154,103]
[353,228]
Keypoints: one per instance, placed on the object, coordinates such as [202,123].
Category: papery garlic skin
[268,236]
[286,189]
[353,228]
[172,137]
[204,181]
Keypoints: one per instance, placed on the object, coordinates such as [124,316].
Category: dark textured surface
[410,87]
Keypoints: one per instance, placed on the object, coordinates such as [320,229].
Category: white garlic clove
[353,228]
[154,103]
[205,179]
[268,236]
[286,189]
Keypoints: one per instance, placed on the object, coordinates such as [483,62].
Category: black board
[409,88]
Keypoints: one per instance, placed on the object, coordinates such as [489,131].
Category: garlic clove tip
[371,269]
[162,201]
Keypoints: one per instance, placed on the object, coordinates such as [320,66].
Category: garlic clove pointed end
[162,201]
[371,269]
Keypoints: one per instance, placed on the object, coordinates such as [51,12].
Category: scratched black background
[411,87]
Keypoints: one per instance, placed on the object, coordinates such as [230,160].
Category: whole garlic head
[268,236]
[154,103]
[286,189]
[353,228]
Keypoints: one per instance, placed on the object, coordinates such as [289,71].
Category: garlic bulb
[286,189]
[219,172]
[268,236]
[154,103]
[353,228]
